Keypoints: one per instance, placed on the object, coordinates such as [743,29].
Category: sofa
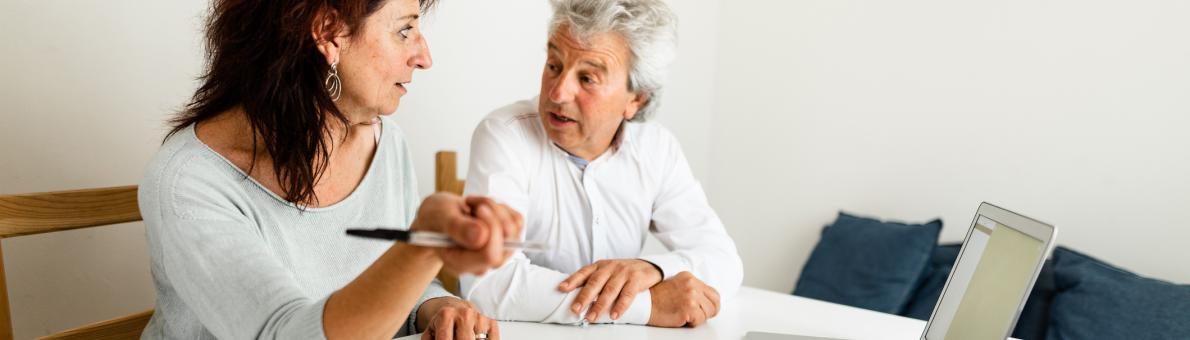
[899,268]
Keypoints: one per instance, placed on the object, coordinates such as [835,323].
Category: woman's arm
[376,303]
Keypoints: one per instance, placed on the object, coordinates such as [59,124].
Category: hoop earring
[334,85]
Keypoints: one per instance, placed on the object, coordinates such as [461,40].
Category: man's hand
[614,282]
[449,318]
[683,301]
[478,224]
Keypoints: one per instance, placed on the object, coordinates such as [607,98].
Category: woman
[284,146]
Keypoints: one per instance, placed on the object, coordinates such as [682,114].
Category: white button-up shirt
[601,212]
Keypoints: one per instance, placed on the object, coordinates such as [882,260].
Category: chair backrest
[446,178]
[446,173]
[47,212]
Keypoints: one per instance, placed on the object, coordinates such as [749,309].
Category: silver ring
[481,336]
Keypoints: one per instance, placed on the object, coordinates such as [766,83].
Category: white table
[751,310]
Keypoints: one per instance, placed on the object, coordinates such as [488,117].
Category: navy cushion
[922,304]
[1098,301]
[1033,319]
[867,263]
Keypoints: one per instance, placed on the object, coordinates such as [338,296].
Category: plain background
[1073,112]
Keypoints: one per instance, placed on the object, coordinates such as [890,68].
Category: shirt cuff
[670,264]
[637,314]
[640,310]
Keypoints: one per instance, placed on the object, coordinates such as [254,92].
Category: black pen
[433,239]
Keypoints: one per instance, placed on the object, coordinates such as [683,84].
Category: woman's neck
[233,130]
[350,149]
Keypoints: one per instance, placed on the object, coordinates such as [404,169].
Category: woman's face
[376,64]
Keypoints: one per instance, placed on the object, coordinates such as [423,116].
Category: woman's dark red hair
[263,58]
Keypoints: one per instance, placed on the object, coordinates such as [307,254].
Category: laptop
[990,281]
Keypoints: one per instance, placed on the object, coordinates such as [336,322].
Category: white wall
[86,86]
[89,84]
[1071,111]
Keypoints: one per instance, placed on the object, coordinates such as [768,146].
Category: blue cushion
[867,263]
[1033,319]
[1098,301]
[922,304]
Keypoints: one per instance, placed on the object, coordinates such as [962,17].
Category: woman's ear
[329,34]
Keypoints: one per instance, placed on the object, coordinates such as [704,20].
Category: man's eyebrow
[596,64]
[414,16]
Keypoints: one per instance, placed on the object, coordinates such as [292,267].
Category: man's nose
[563,89]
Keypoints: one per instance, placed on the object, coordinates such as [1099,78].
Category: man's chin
[559,142]
[564,143]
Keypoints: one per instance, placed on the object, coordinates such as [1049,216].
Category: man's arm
[521,291]
[685,223]
[518,290]
[699,250]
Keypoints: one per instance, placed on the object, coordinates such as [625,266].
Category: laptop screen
[993,272]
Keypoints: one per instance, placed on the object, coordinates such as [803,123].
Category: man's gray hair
[649,28]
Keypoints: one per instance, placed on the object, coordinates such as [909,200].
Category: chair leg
[5,315]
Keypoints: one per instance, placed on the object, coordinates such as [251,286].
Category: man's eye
[587,79]
[404,32]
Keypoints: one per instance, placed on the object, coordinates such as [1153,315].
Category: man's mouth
[562,118]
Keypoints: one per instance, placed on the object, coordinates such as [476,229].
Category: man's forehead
[604,46]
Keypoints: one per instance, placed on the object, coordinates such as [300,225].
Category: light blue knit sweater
[232,260]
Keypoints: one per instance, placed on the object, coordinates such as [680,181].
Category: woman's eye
[551,67]
[404,32]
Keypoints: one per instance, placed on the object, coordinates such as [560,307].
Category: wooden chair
[446,179]
[39,213]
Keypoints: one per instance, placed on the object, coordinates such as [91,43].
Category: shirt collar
[618,138]
[579,161]
[617,142]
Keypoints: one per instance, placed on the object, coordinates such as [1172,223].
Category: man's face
[584,91]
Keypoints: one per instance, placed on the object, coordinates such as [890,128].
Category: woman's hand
[478,224]
[449,318]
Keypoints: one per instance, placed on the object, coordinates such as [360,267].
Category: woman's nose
[421,58]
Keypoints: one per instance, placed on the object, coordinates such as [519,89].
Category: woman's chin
[390,109]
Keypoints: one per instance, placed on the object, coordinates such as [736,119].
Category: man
[592,179]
